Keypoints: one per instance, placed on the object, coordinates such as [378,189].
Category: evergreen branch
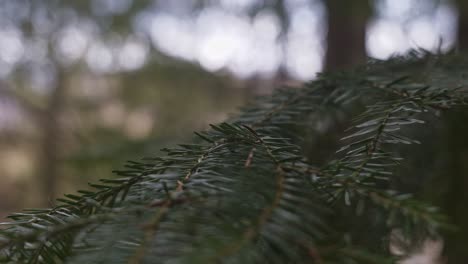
[381,121]
[253,231]
[153,225]
[219,201]
[411,208]
[46,236]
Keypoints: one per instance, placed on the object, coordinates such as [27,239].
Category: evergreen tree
[263,187]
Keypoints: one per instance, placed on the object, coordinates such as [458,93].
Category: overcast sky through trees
[219,36]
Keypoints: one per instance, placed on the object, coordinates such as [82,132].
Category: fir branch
[242,194]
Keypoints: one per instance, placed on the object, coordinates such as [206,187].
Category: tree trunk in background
[456,176]
[49,152]
[346,33]
[463,25]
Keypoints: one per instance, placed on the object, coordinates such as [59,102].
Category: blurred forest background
[86,85]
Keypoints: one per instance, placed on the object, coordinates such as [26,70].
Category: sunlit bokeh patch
[133,54]
[403,25]
[11,48]
[222,36]
[100,58]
